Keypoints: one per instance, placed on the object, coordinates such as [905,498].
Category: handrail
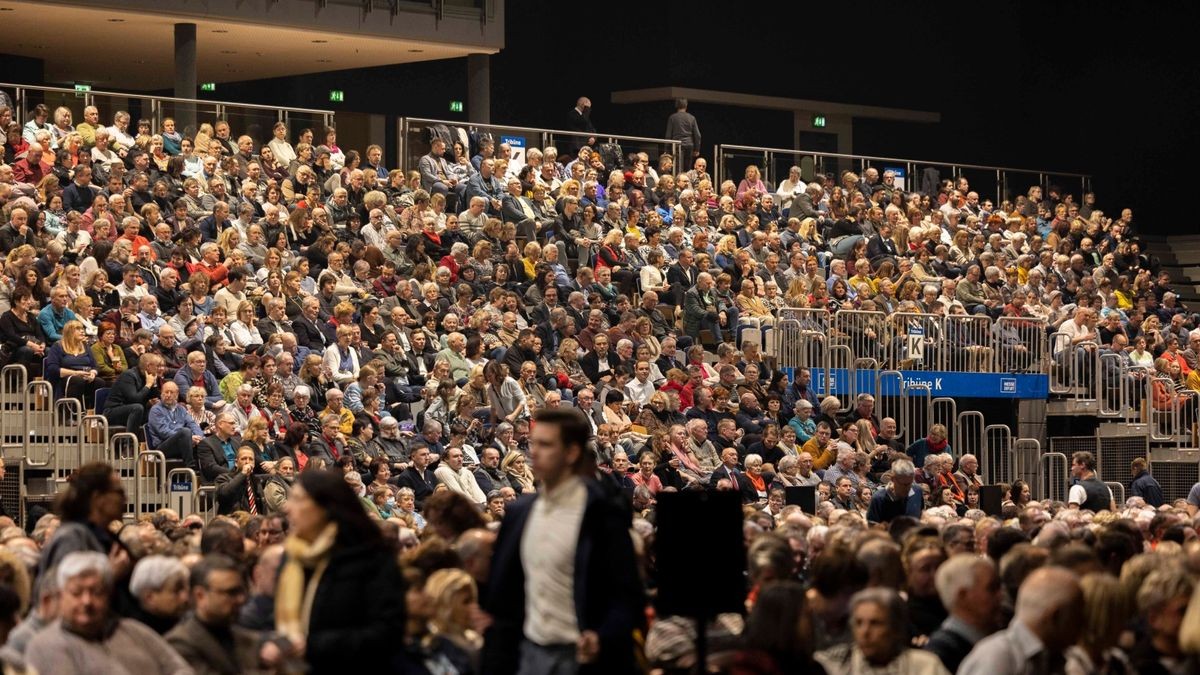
[173,99]
[837,155]
[562,132]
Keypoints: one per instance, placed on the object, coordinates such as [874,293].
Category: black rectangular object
[804,496]
[700,553]
[990,499]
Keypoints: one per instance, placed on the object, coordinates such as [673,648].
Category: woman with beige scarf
[340,597]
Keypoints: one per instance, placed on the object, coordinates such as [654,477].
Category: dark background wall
[1101,88]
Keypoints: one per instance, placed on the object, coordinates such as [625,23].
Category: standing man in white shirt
[563,593]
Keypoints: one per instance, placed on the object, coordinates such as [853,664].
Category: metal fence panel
[864,333]
[890,405]
[968,344]
[39,424]
[915,341]
[13,381]
[917,403]
[968,433]
[1175,477]
[944,411]
[995,463]
[1020,344]
[1026,454]
[1052,477]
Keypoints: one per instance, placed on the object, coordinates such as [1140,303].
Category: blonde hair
[72,332]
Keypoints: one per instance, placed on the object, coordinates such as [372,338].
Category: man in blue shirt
[196,374]
[56,315]
[171,428]
[898,498]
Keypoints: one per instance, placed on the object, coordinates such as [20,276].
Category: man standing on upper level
[682,127]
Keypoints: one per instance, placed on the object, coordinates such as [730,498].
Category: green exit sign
[208,86]
[337,95]
[819,121]
[456,106]
[83,87]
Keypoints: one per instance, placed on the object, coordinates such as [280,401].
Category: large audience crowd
[375,369]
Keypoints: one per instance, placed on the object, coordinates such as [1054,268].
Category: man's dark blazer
[609,598]
[211,457]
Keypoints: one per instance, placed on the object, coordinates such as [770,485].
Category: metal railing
[995,460]
[244,118]
[413,142]
[1052,476]
[968,432]
[856,339]
[730,161]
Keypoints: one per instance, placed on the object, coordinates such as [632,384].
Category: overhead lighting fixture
[228,51]
[7,9]
[415,51]
[319,42]
[116,20]
[219,30]
[324,61]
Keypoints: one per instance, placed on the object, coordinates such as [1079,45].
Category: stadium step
[1070,407]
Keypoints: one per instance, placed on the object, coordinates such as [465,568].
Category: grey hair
[904,468]
[302,390]
[79,563]
[957,574]
[752,459]
[893,607]
[153,572]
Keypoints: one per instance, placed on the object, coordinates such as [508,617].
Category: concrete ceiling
[134,51]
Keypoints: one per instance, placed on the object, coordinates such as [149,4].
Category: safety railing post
[183,489]
[1052,483]
[912,165]
[968,434]
[994,461]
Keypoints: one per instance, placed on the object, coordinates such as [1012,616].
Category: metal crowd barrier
[123,457]
[916,401]
[969,346]
[13,380]
[863,333]
[1020,344]
[914,341]
[1074,367]
[944,411]
[413,141]
[206,501]
[1173,424]
[1123,390]
[1005,182]
[183,487]
[152,490]
[995,461]
[1118,491]
[890,406]
[1052,476]
[1026,460]
[817,339]
[244,118]
[968,437]
[39,424]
